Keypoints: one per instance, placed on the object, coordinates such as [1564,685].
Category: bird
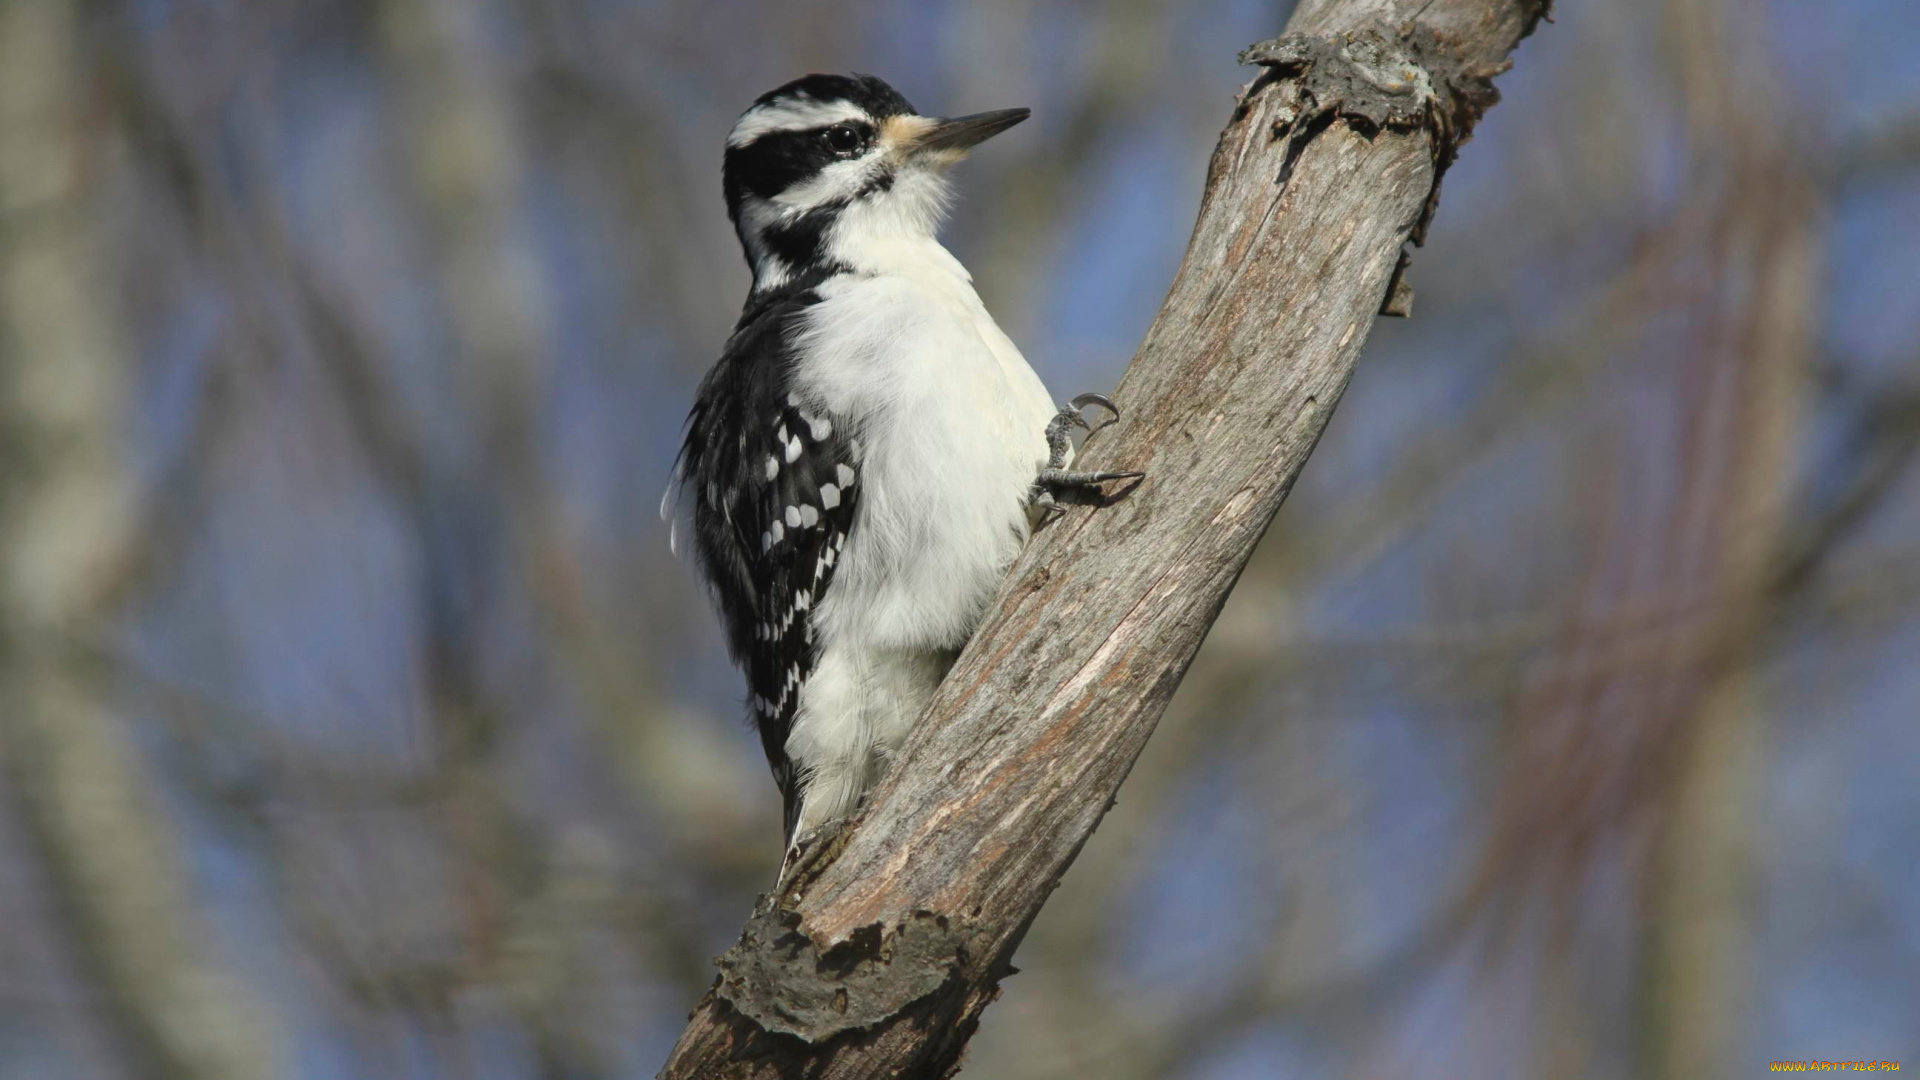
[871,451]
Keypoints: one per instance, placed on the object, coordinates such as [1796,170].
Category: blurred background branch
[88,826]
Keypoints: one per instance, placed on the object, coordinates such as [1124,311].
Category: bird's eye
[843,139]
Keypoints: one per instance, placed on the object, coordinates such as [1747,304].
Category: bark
[892,936]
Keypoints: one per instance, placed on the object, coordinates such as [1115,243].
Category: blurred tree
[68,532]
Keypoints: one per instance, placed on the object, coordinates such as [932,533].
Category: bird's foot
[1074,415]
[1056,479]
[809,850]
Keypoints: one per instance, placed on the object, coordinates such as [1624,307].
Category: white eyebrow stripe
[791,116]
[840,180]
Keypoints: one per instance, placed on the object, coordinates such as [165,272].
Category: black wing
[774,484]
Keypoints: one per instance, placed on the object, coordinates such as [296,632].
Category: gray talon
[804,849]
[1069,417]
[1067,478]
[1056,479]
[1080,403]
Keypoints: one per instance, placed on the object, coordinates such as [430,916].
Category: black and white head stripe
[793,134]
[824,173]
[798,157]
[793,115]
[775,484]
[818,101]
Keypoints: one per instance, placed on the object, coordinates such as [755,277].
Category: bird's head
[828,168]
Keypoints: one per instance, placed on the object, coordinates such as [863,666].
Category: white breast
[951,422]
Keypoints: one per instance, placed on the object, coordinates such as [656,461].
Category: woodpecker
[871,451]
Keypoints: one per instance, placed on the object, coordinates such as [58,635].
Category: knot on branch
[1376,78]
[781,979]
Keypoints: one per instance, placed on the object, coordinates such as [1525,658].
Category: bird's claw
[1056,477]
[1080,404]
[1072,415]
[1052,481]
[806,848]
[1059,478]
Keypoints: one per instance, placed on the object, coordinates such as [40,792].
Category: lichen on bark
[784,981]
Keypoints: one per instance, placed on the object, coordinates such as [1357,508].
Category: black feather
[774,481]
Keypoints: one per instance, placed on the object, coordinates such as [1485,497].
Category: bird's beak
[953,136]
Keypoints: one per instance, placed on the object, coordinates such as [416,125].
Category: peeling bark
[879,956]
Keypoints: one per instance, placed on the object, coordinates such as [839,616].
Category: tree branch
[890,939]
[115,880]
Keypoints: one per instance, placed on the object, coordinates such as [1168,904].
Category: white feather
[791,115]
[953,421]
[667,515]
